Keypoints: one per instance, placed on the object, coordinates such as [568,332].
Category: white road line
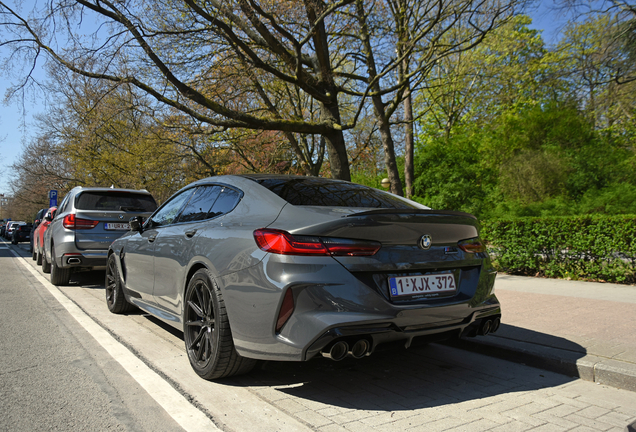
[183,412]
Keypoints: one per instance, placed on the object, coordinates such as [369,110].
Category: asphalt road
[66,363]
[54,375]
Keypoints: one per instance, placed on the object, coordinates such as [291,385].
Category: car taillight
[283,243]
[473,245]
[70,221]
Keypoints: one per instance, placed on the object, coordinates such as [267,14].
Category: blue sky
[17,127]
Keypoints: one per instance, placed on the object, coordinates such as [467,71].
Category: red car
[38,235]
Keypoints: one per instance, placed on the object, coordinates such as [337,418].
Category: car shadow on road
[93,279]
[515,333]
[429,376]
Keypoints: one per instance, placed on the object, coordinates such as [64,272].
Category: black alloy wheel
[115,299]
[207,333]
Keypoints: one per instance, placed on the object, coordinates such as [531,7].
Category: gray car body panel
[330,293]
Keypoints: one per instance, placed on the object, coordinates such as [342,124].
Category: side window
[226,202]
[166,214]
[200,204]
[62,206]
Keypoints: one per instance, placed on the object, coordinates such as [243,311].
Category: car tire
[115,299]
[38,258]
[207,334]
[34,254]
[46,265]
[59,275]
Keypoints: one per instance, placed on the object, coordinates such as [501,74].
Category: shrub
[601,248]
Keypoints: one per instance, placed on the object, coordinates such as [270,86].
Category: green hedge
[601,248]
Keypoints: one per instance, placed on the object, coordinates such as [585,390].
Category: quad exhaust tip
[489,326]
[341,349]
[338,351]
[495,325]
[359,349]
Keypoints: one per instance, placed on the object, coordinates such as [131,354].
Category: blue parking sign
[52,198]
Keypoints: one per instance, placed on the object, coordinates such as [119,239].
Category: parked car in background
[2,228]
[36,221]
[38,235]
[288,268]
[6,229]
[10,227]
[87,221]
[21,233]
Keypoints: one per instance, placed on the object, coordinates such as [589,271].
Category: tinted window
[324,192]
[166,214]
[200,204]
[119,201]
[226,202]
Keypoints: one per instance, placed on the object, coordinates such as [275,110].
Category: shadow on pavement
[515,333]
[429,376]
[89,279]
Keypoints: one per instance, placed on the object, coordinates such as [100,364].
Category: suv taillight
[71,222]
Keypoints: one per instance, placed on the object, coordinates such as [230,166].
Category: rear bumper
[331,304]
[385,335]
[84,259]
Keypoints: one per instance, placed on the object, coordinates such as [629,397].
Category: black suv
[21,233]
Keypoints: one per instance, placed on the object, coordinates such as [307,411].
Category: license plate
[116,226]
[430,285]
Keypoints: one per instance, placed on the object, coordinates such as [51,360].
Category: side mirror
[136,223]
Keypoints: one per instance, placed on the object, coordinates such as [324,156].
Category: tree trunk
[388,146]
[409,170]
[336,148]
[329,111]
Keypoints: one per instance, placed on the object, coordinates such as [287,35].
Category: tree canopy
[154,94]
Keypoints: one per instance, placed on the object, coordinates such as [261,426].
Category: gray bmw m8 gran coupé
[276,267]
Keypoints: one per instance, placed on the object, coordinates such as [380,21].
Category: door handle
[190,233]
[152,238]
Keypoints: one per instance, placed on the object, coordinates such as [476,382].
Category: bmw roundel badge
[425,242]
[121,217]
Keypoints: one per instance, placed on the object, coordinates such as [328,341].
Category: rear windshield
[119,201]
[311,191]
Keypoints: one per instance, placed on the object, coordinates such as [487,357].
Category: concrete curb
[601,370]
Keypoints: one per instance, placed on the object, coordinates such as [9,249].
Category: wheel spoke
[196,323]
[111,283]
[197,290]
[197,339]
[197,310]
[199,356]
